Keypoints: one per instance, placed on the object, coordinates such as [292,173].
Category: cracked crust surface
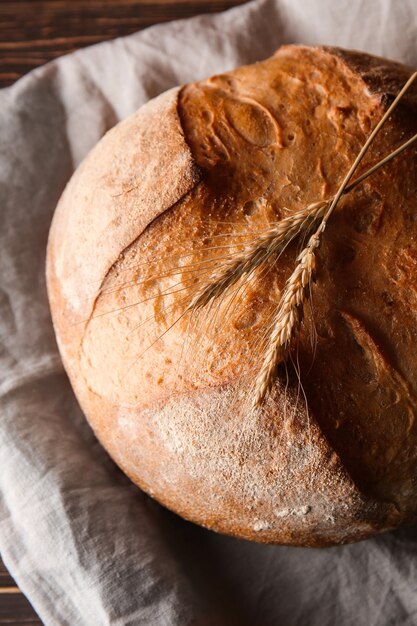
[163,199]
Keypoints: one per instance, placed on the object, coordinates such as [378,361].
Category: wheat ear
[291,303]
[287,319]
[272,242]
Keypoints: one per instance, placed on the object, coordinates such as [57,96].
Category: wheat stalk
[292,300]
[276,239]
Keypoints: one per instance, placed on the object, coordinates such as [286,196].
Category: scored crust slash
[179,266]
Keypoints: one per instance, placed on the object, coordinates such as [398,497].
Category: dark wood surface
[14,608]
[33,32]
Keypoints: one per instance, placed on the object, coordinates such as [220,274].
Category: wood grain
[5,579]
[15,610]
[34,32]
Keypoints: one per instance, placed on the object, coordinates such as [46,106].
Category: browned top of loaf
[144,221]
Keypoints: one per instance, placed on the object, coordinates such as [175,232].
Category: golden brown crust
[113,195]
[259,141]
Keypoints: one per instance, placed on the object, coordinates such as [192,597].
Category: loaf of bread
[171,195]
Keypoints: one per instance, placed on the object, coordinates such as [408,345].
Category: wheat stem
[407,144]
[365,149]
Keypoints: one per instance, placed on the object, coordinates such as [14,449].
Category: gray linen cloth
[86,546]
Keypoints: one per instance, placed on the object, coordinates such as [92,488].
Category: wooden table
[14,608]
[33,32]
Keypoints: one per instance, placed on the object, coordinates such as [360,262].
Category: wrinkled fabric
[86,546]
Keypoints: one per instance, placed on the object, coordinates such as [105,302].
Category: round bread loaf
[168,197]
